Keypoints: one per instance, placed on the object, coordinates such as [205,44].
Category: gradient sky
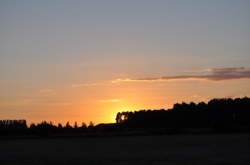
[64,60]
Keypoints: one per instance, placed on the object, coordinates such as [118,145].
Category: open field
[144,150]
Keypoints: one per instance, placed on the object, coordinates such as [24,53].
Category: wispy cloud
[36,101]
[16,102]
[88,84]
[46,92]
[213,74]
[109,100]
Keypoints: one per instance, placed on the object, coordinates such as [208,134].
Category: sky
[87,60]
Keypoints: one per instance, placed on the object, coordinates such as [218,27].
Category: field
[139,150]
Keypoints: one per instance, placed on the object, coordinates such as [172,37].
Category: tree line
[44,128]
[217,113]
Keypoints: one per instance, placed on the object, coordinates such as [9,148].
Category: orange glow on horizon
[100,104]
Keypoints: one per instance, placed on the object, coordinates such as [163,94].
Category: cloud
[110,100]
[37,101]
[213,74]
[46,92]
[88,84]
[16,102]
[83,85]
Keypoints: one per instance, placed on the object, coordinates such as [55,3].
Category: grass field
[216,149]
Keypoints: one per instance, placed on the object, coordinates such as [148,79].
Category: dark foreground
[139,150]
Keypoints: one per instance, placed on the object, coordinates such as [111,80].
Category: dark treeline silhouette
[47,128]
[10,127]
[19,127]
[217,114]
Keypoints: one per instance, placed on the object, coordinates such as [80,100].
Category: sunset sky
[71,60]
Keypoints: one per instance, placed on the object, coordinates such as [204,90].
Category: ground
[216,149]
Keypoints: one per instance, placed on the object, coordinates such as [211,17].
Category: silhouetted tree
[68,125]
[91,124]
[75,125]
[84,125]
[59,126]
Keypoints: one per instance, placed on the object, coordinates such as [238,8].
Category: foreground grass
[144,150]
